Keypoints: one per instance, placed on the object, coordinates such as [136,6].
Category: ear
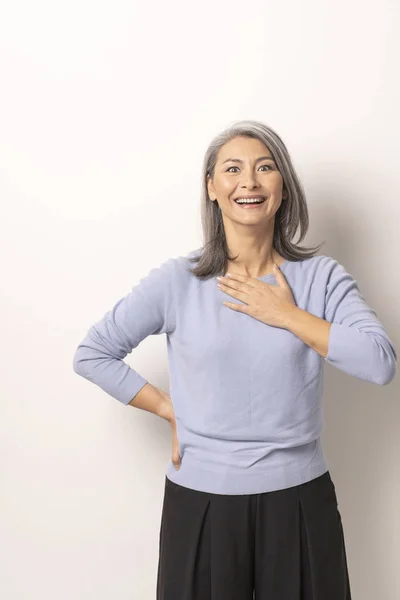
[210,187]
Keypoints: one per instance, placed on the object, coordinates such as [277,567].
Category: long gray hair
[292,213]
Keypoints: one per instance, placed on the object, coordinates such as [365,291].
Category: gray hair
[291,214]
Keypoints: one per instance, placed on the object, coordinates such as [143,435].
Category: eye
[229,169]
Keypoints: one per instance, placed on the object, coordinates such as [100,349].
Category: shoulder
[314,267]
[332,268]
[332,278]
[322,261]
[324,272]
[323,264]
[170,273]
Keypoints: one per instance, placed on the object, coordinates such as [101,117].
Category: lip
[251,196]
[253,206]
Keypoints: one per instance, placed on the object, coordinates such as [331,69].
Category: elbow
[77,363]
[386,358]
[388,371]
[387,375]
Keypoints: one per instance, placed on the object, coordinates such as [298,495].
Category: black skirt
[282,545]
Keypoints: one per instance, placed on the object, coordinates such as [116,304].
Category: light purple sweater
[247,396]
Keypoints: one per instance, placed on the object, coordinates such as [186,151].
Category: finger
[279,275]
[234,292]
[176,462]
[237,307]
[245,280]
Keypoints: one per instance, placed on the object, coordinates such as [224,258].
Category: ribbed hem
[198,476]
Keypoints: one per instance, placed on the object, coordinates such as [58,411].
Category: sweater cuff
[131,386]
[340,344]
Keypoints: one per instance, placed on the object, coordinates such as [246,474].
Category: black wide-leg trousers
[282,545]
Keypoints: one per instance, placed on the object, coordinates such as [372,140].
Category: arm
[312,330]
[146,310]
[351,337]
[152,399]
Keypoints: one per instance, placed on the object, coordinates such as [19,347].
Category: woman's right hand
[167,413]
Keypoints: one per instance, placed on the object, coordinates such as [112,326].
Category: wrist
[289,316]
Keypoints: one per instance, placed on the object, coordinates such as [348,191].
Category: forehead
[243,147]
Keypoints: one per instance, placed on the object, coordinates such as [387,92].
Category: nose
[249,180]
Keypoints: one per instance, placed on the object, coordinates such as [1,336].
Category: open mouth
[250,202]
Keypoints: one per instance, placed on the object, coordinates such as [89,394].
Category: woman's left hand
[265,302]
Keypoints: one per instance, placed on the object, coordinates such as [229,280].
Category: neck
[255,262]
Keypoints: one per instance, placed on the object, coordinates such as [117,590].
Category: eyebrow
[240,161]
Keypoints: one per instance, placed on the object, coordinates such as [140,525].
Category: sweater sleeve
[146,310]
[359,344]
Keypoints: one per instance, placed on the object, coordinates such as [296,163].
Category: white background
[106,110]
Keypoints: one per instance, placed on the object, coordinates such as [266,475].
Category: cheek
[226,186]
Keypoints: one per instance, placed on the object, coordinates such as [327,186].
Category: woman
[249,504]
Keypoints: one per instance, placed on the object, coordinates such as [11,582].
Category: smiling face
[243,169]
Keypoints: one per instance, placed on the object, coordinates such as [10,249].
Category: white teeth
[249,200]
